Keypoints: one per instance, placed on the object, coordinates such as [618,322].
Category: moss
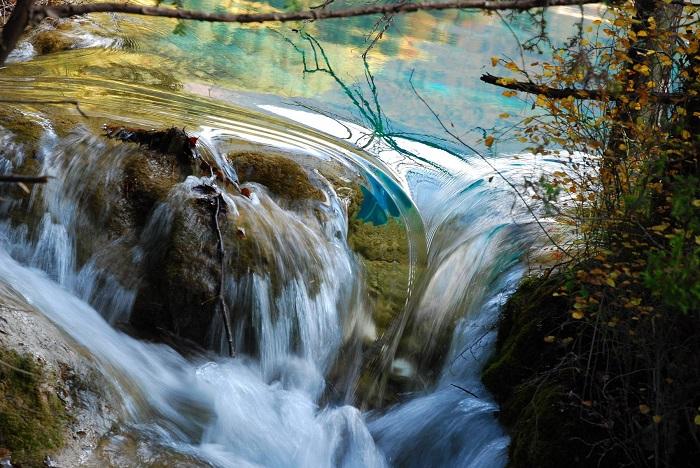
[537,406]
[383,250]
[281,175]
[49,41]
[527,317]
[385,242]
[26,131]
[387,283]
[32,418]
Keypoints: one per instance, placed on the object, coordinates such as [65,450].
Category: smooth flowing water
[302,308]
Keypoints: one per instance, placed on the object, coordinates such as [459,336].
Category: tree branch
[60,11]
[563,93]
[24,179]
[46,101]
[14,27]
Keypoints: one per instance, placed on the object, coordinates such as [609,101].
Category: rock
[50,41]
[53,399]
[283,176]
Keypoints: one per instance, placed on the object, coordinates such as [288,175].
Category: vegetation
[32,418]
[604,346]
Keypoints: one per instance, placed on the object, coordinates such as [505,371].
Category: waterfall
[268,408]
[317,381]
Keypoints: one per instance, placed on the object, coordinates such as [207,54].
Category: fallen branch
[563,93]
[25,13]
[24,179]
[46,101]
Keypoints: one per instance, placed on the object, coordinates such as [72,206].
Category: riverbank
[603,390]
[54,410]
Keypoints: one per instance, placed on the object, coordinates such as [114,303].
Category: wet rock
[50,41]
[283,176]
[54,403]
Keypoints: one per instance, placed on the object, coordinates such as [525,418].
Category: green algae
[33,419]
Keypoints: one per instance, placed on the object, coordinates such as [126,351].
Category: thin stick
[499,173]
[222,278]
[464,390]
[46,101]
[25,179]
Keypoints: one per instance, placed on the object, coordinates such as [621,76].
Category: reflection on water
[445,52]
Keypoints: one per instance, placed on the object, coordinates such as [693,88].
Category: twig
[465,390]
[562,93]
[25,179]
[17,369]
[222,257]
[499,173]
[46,101]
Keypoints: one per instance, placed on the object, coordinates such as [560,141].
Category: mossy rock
[384,242]
[51,40]
[284,177]
[32,418]
[536,407]
[27,131]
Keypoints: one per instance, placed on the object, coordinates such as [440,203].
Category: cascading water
[299,297]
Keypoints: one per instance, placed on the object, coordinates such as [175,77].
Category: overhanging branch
[61,11]
[563,93]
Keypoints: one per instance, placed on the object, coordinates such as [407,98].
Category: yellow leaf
[549,339]
[644,409]
[509,93]
[488,141]
[578,315]
[696,203]
[504,115]
[685,134]
[660,227]
[512,66]
[494,61]
[697,420]
[642,34]
[610,282]
[657,418]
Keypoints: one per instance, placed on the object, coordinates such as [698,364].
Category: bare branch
[24,179]
[46,101]
[60,11]
[563,93]
[490,164]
